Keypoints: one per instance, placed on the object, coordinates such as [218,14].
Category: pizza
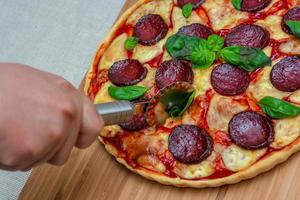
[222,79]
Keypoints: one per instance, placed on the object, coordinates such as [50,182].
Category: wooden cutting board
[94,174]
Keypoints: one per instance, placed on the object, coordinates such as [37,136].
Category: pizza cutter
[118,111]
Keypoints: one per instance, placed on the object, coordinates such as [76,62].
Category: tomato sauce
[171,17]
[169,161]
[220,170]
[255,75]
[221,138]
[101,77]
[128,29]
[223,32]
[269,152]
[156,61]
[280,5]
[276,53]
[202,13]
[203,105]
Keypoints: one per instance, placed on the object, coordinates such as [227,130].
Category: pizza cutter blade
[118,111]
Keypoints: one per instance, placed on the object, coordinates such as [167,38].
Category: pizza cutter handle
[115,112]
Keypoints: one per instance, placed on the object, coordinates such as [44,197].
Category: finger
[44,159]
[91,125]
[46,156]
[12,168]
[63,154]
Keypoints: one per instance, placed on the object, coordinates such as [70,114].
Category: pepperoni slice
[196,30]
[172,71]
[254,5]
[150,29]
[137,123]
[196,3]
[251,130]
[190,144]
[248,35]
[285,75]
[292,14]
[229,80]
[127,72]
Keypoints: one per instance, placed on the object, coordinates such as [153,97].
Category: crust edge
[259,167]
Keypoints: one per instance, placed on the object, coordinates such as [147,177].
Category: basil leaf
[202,59]
[187,10]
[126,93]
[181,46]
[237,4]
[294,26]
[176,102]
[193,49]
[130,43]
[277,108]
[245,57]
[188,103]
[215,43]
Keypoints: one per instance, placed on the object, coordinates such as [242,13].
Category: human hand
[42,117]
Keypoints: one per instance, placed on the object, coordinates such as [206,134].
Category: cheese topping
[236,158]
[286,131]
[263,87]
[102,95]
[202,80]
[273,24]
[110,131]
[295,97]
[179,20]
[114,52]
[221,12]
[292,46]
[220,112]
[160,7]
[147,53]
[199,170]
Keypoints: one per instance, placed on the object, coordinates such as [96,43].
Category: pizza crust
[254,170]
[262,165]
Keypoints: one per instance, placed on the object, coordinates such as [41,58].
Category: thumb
[91,124]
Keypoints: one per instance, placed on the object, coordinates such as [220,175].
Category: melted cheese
[160,7]
[151,162]
[292,46]
[294,3]
[273,24]
[236,158]
[200,170]
[179,20]
[286,131]
[114,52]
[102,95]
[268,51]
[110,131]
[188,118]
[221,14]
[166,56]
[150,78]
[220,112]
[295,97]
[202,80]
[172,122]
[147,53]
[263,87]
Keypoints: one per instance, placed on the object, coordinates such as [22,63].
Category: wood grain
[94,174]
